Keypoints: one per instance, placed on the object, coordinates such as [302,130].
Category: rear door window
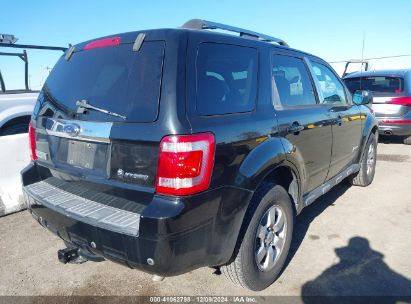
[114,78]
[226,79]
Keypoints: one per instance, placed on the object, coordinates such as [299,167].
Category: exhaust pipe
[70,255]
[387,132]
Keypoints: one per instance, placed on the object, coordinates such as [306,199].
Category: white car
[15,112]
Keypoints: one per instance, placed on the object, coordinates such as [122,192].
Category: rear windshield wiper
[83,106]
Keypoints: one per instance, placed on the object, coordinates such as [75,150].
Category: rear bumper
[179,234]
[399,129]
[393,119]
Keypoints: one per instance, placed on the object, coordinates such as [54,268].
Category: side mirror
[362,97]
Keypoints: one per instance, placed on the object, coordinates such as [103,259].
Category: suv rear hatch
[389,92]
[112,147]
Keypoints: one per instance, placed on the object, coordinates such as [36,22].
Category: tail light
[403,101]
[397,121]
[185,164]
[32,142]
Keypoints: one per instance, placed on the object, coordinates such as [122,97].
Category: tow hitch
[70,255]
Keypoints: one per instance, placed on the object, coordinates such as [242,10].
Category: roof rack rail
[204,24]
[9,41]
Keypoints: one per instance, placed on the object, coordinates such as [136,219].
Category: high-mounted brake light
[112,41]
[403,101]
[185,164]
[32,142]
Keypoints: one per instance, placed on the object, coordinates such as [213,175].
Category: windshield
[378,84]
[115,78]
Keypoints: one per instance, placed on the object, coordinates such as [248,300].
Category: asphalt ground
[352,241]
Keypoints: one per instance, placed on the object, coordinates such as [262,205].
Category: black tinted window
[113,78]
[380,84]
[292,81]
[226,79]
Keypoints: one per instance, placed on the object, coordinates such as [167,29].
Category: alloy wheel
[270,238]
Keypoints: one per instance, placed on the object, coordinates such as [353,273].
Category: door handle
[295,128]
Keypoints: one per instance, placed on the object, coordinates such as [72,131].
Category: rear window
[114,78]
[379,84]
[226,79]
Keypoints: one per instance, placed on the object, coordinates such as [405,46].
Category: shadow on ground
[360,272]
[310,213]
[391,139]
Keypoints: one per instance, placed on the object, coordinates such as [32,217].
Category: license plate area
[81,154]
[387,109]
[78,156]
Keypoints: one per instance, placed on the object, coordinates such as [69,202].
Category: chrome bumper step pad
[84,210]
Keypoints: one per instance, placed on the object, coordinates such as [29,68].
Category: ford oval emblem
[71,129]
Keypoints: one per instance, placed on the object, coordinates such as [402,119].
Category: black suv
[171,149]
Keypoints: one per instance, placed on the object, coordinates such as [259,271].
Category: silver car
[392,99]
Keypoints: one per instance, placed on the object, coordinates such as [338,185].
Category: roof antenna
[362,52]
[362,58]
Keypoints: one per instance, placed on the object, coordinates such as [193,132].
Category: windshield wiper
[83,106]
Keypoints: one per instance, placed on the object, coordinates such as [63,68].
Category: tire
[246,268]
[365,176]
[15,129]
[407,140]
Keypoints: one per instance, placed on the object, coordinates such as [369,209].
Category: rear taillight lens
[105,42]
[32,142]
[403,101]
[185,164]
[397,121]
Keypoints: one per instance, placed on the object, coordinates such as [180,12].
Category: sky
[333,30]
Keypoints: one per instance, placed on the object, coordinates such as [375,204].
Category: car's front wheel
[264,241]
